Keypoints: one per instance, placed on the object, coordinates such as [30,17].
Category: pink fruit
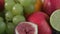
[40,19]
[26,28]
[49,6]
[56,3]
[1,5]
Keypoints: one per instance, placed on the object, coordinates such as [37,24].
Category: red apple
[40,19]
[1,5]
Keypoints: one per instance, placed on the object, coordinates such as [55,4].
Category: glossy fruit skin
[17,9]
[1,19]
[29,10]
[25,2]
[38,5]
[10,28]
[40,19]
[9,4]
[48,7]
[2,27]
[1,5]
[8,16]
[56,4]
[17,19]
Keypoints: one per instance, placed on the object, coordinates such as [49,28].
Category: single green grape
[18,19]
[2,27]
[29,9]
[8,16]
[9,4]
[1,19]
[10,28]
[17,9]
[25,2]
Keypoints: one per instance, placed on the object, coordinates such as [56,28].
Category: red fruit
[1,5]
[56,3]
[48,7]
[26,28]
[40,19]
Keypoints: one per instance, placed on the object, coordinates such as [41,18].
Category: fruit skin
[17,9]
[40,19]
[49,6]
[29,10]
[25,2]
[10,28]
[2,27]
[17,19]
[1,5]
[56,4]
[9,4]
[26,29]
[33,8]
[1,19]
[8,16]
[38,5]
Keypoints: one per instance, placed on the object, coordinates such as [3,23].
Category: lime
[55,20]
[2,27]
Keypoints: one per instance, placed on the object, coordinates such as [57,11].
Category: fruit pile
[29,16]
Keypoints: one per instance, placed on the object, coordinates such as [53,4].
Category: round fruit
[8,16]
[1,19]
[18,19]
[10,28]
[25,2]
[17,9]
[29,10]
[9,4]
[2,27]
[40,18]
[26,28]
[55,20]
[48,7]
